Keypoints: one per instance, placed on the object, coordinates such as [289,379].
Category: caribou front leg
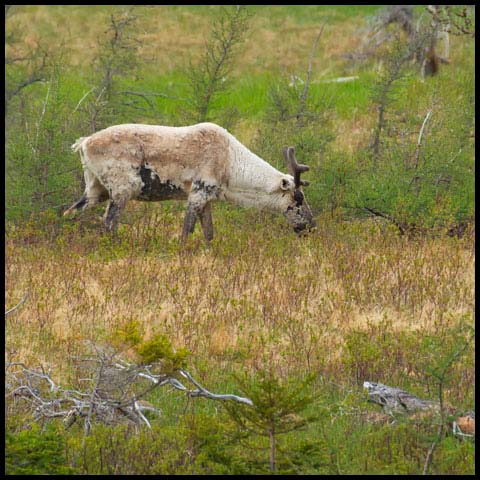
[190,219]
[112,213]
[199,206]
[206,221]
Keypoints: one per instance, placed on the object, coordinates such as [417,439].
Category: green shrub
[159,348]
[31,452]
[420,182]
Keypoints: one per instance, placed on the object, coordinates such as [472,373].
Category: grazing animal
[200,163]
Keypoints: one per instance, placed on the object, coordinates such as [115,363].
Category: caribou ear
[286,184]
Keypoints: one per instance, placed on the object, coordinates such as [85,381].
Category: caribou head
[298,212]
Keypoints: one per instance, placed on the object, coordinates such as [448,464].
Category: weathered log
[394,401]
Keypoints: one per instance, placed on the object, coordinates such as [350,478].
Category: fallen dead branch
[11,310]
[113,392]
[394,400]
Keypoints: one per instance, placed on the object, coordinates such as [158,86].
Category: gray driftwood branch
[11,310]
[203,392]
[112,391]
[394,400]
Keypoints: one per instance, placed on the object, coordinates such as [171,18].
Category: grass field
[246,289]
[354,301]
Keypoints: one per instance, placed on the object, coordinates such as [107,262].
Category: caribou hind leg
[94,193]
[78,205]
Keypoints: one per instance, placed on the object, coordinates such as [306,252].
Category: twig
[35,76]
[92,401]
[83,98]
[303,96]
[203,392]
[419,141]
[138,409]
[151,94]
[42,116]
[428,459]
[17,305]
[388,217]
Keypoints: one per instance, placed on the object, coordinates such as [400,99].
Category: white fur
[253,181]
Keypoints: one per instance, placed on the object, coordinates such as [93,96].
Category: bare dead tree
[457,19]
[210,75]
[401,14]
[423,38]
[117,57]
[377,34]
[303,96]
[27,66]
[110,390]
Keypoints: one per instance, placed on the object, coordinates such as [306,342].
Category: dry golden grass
[262,292]
[170,36]
[352,134]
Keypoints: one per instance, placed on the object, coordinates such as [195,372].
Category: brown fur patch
[181,154]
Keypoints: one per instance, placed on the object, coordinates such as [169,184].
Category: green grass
[308,14]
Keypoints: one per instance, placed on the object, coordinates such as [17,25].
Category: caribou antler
[295,168]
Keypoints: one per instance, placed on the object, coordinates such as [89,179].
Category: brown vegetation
[243,298]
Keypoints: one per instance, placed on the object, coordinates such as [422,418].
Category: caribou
[200,163]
